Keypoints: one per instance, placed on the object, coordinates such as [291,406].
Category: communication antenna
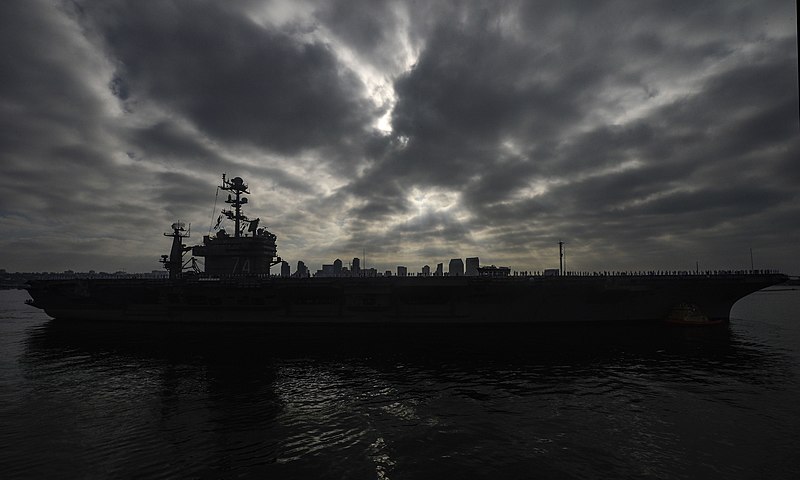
[751,259]
[213,211]
[560,257]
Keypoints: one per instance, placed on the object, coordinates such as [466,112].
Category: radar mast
[238,187]
[174,261]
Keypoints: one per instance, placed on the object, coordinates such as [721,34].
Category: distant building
[337,267]
[302,270]
[456,268]
[551,272]
[388,273]
[285,269]
[325,271]
[472,266]
[439,270]
[402,271]
[356,268]
[426,271]
[370,272]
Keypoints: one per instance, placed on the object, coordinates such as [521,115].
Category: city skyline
[645,137]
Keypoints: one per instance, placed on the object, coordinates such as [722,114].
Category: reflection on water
[361,402]
[238,351]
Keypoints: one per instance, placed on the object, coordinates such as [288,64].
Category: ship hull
[399,300]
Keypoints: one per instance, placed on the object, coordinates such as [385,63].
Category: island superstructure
[236,286]
[250,252]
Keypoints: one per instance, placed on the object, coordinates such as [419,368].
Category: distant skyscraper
[356,266]
[439,270]
[285,269]
[456,268]
[402,271]
[337,267]
[472,266]
[302,270]
[426,271]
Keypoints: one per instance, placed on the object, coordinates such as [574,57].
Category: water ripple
[132,401]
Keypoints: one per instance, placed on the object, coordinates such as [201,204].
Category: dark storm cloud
[81,83]
[67,193]
[490,107]
[45,100]
[718,138]
[170,145]
[165,140]
[234,79]
[54,137]
[473,88]
[496,183]
[637,132]
[370,27]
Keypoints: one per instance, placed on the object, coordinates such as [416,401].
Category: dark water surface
[121,401]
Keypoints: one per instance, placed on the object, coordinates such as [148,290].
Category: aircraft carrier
[236,286]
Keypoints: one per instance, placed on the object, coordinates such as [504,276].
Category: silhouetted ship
[236,286]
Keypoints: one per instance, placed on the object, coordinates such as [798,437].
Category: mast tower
[238,187]
[238,254]
[174,261]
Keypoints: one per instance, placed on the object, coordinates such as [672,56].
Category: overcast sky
[645,135]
